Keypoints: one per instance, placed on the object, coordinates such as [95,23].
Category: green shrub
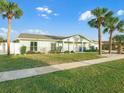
[32,52]
[90,50]
[72,52]
[52,51]
[67,51]
[23,50]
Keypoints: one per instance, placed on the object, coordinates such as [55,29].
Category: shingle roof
[36,36]
[39,36]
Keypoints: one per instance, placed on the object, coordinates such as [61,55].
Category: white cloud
[44,16]
[36,31]
[4,31]
[44,9]
[120,12]
[55,14]
[85,16]
[49,11]
[45,12]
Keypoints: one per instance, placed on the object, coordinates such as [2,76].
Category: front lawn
[37,60]
[101,78]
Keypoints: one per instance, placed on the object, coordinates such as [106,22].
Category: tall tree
[119,39]
[113,24]
[11,9]
[100,14]
[110,24]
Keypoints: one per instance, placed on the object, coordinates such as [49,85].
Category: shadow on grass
[8,63]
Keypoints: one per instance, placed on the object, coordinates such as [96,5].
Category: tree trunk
[110,42]
[100,40]
[9,35]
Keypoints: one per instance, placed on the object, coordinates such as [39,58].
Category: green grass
[101,78]
[37,60]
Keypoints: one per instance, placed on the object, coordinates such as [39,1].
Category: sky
[59,17]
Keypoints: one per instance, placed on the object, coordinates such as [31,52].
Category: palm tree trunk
[9,35]
[100,40]
[110,42]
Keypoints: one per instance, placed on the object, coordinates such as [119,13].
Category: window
[33,46]
[53,46]
[92,47]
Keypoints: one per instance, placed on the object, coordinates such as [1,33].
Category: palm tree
[100,14]
[11,10]
[110,27]
[119,39]
[112,24]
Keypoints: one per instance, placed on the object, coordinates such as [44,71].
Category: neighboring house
[105,46]
[47,43]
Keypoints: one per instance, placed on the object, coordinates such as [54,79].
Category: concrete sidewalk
[18,74]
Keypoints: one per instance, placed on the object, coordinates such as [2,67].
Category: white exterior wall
[42,46]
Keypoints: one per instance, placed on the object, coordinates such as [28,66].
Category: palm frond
[108,14]
[18,13]
[111,23]
[119,38]
[4,16]
[98,12]
[120,26]
[93,23]
[2,5]
[11,8]
[106,30]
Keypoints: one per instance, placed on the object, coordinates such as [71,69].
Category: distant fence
[14,48]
